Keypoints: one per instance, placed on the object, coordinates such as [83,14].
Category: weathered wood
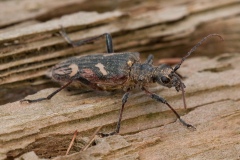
[30,45]
[149,130]
[165,29]
[15,12]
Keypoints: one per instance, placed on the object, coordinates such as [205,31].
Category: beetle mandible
[112,71]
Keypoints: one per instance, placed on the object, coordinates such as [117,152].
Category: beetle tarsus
[189,126]
[107,134]
[33,100]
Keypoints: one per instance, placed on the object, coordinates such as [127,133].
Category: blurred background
[30,43]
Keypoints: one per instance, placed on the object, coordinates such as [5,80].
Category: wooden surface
[30,45]
[149,129]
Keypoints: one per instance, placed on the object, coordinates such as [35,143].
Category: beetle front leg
[108,37]
[124,100]
[48,97]
[162,100]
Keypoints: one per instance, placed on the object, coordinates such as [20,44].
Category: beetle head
[167,76]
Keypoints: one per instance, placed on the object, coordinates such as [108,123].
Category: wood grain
[149,129]
[30,45]
[165,29]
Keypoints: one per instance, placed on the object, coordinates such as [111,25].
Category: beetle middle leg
[124,100]
[162,100]
[108,37]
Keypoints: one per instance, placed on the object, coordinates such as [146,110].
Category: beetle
[113,71]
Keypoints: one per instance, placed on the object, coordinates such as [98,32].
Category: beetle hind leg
[108,37]
[48,97]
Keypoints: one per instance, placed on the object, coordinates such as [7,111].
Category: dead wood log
[149,130]
[163,28]
[30,45]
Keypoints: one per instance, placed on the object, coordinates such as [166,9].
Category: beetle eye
[165,79]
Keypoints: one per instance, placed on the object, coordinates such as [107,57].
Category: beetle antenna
[194,48]
[182,86]
[183,95]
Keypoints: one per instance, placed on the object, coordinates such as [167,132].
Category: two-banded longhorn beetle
[113,71]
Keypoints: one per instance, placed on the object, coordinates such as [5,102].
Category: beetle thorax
[142,74]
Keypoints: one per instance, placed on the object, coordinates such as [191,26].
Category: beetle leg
[48,97]
[109,43]
[89,40]
[124,100]
[162,100]
[149,60]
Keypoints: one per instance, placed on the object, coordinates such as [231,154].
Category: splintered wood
[30,44]
[162,28]
[149,128]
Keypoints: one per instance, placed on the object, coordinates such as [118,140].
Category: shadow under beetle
[113,71]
